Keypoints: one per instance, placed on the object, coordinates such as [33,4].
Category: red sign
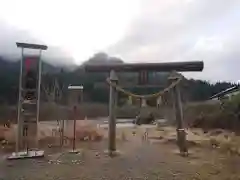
[28,64]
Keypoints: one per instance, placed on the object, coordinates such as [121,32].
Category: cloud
[10,35]
[80,27]
[144,31]
[184,30]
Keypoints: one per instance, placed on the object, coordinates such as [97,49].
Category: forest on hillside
[95,88]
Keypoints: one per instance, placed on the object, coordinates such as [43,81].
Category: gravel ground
[136,161]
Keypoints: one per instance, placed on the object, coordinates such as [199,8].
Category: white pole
[19,123]
[39,95]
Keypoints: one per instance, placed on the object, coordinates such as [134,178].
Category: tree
[57,78]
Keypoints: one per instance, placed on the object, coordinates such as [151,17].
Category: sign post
[28,103]
[75,93]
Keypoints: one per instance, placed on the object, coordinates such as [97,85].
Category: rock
[144,118]
[214,143]
[215,132]
[238,151]
[233,150]
[195,133]
[160,137]
[4,142]
[123,137]
[205,131]
[226,136]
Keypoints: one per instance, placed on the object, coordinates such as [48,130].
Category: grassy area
[52,111]
[213,116]
[199,115]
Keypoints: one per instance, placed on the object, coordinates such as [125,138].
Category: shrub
[224,115]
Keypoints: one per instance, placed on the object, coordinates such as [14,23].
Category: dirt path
[137,160]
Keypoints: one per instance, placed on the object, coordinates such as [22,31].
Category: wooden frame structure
[28,108]
[143,68]
[73,97]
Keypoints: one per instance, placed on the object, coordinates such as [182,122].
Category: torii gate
[143,69]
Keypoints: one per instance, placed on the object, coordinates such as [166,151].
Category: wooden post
[38,96]
[181,134]
[19,118]
[112,116]
[62,133]
[74,128]
[75,91]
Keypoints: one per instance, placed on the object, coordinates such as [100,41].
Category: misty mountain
[9,51]
[12,66]
[9,67]
[95,85]
[103,58]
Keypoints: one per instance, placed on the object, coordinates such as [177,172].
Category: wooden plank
[154,67]
[31,46]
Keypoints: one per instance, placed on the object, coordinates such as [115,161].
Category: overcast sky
[134,30]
